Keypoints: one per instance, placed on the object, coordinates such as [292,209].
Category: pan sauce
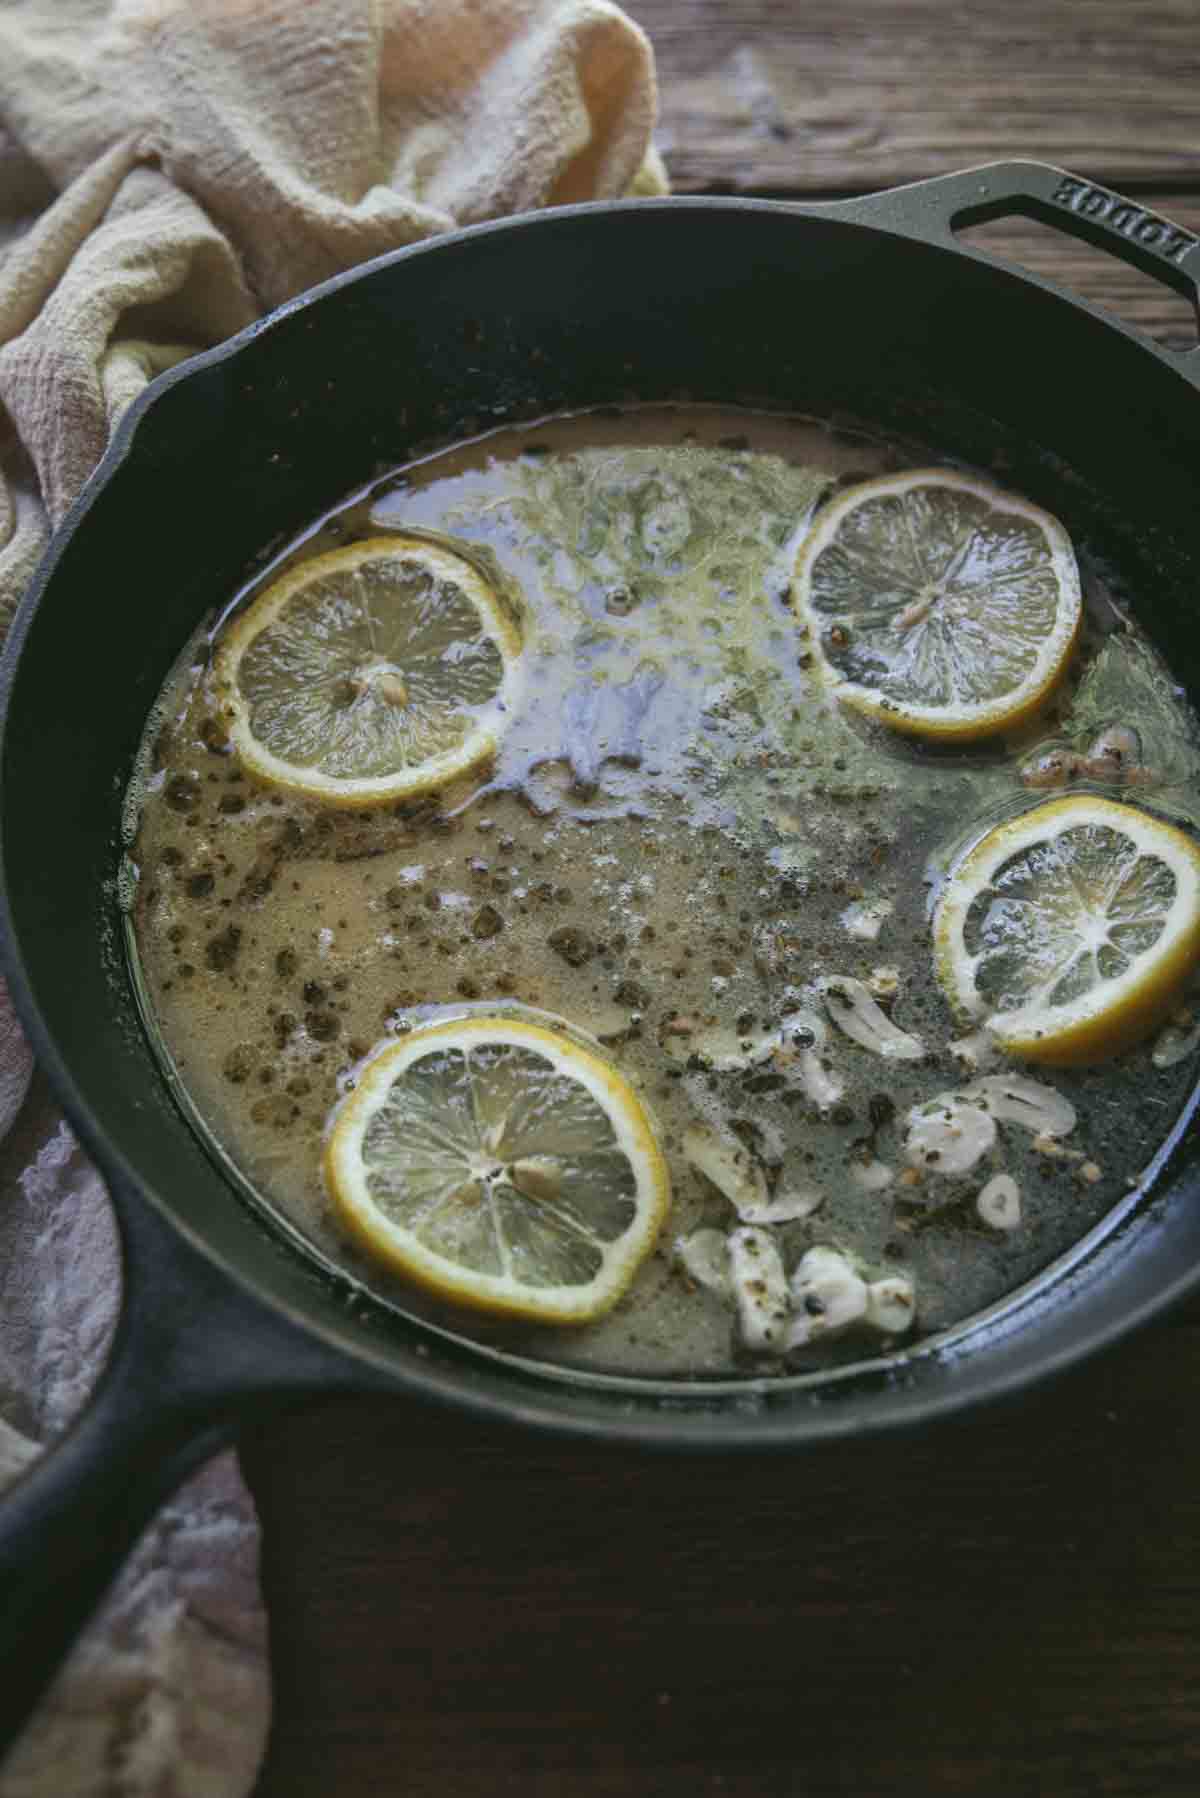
[680,834]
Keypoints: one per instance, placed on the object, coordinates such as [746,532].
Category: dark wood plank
[1004,1608]
[773,95]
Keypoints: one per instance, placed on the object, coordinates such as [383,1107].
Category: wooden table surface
[1008,1606]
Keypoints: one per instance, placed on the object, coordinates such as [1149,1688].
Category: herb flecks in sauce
[687,850]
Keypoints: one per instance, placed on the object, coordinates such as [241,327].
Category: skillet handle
[934,210]
[193,1356]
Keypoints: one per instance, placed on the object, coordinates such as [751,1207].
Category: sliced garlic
[802,1037]
[728,1163]
[704,1255]
[948,1135]
[891,1304]
[829,1295]
[729,1051]
[800,1200]
[999,1202]
[794,1046]
[736,1173]
[855,1012]
[724,1050]
[1014,1099]
[760,1289]
[822,1085]
[821,1263]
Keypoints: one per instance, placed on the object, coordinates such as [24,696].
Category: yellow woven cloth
[170,170]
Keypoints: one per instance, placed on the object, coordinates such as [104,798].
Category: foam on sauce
[681,834]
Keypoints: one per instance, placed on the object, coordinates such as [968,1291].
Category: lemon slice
[371,673]
[1071,928]
[938,603]
[501,1165]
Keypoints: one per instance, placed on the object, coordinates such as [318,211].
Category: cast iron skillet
[867,309]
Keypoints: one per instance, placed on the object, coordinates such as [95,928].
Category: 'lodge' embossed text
[1134,222]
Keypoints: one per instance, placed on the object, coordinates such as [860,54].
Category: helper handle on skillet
[934,210]
[193,1355]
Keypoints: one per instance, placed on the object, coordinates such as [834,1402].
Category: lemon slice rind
[1108,1018]
[1007,711]
[498,620]
[398,1248]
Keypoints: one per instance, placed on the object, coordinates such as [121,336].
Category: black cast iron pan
[868,310]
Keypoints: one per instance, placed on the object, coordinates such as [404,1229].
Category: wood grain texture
[1003,1608]
[805,96]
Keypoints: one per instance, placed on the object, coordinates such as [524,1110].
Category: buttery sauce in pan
[680,834]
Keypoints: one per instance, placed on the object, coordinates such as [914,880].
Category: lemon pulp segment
[1071,928]
[939,603]
[370,673]
[500,1164]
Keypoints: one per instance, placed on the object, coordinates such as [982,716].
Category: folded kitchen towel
[170,170]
